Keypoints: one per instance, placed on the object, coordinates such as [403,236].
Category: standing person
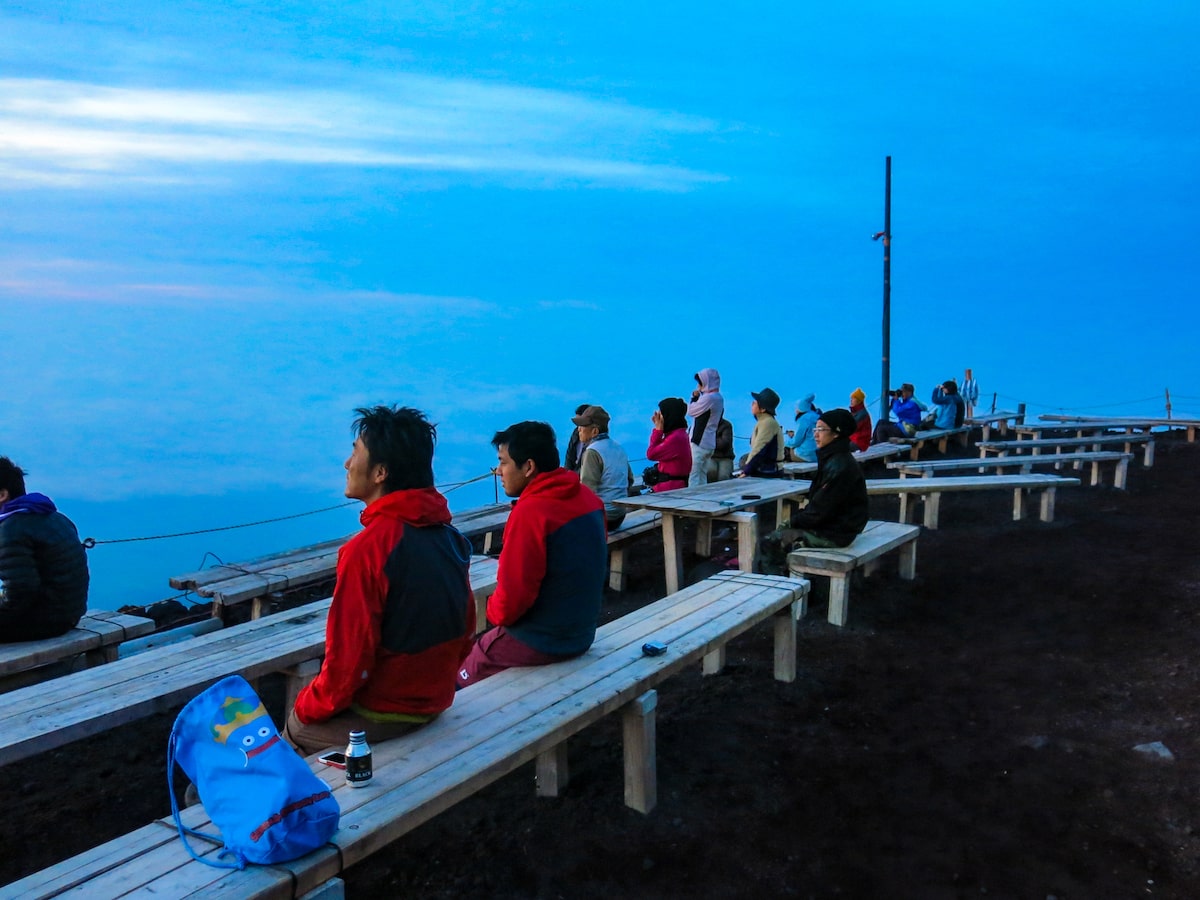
[766,442]
[574,456]
[403,615]
[836,512]
[705,410]
[43,566]
[861,439]
[720,464]
[949,409]
[969,390]
[800,439]
[604,466]
[670,449]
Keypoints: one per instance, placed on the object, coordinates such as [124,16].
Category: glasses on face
[821,429]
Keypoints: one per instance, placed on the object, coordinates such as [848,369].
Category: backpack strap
[239,861]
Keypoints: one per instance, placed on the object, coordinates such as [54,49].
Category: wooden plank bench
[930,490]
[97,638]
[1025,463]
[940,436]
[1096,442]
[81,704]
[875,451]
[838,563]
[1129,423]
[257,580]
[636,523]
[998,419]
[510,719]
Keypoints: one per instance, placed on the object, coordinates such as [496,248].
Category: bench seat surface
[98,628]
[876,539]
[492,728]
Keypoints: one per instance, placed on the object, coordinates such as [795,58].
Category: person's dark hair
[950,387]
[12,478]
[674,413]
[529,440]
[401,439]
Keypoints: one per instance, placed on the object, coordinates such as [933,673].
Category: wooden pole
[1168,390]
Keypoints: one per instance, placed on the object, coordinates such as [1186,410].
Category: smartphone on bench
[335,758]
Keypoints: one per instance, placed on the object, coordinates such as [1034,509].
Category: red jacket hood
[418,506]
[557,484]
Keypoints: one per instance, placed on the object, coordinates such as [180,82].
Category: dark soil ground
[969,733]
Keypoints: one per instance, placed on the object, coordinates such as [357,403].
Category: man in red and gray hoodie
[550,581]
[402,617]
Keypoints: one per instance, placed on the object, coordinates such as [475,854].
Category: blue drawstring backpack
[266,801]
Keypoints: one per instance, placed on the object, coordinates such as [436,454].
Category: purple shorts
[497,650]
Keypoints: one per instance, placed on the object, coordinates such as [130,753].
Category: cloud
[73,134]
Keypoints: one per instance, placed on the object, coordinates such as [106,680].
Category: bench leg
[641,768]
[908,561]
[616,569]
[839,598]
[704,537]
[1121,474]
[672,529]
[906,508]
[1148,456]
[1047,511]
[785,644]
[713,662]
[552,772]
[1018,504]
[933,503]
[1095,474]
[747,542]
[333,889]
[297,677]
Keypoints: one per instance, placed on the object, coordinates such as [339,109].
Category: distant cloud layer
[73,134]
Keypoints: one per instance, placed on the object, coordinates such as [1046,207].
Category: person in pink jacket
[669,446]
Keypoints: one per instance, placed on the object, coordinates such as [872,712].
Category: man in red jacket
[550,580]
[402,617]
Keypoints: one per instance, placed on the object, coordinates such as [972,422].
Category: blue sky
[225,226]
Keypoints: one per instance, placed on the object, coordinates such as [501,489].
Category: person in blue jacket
[949,409]
[907,411]
[800,440]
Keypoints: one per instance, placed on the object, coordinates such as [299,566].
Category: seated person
[604,465]
[836,511]
[949,409]
[573,458]
[766,442]
[43,566]
[800,440]
[861,439]
[908,416]
[553,563]
[403,615]
[670,450]
[720,464]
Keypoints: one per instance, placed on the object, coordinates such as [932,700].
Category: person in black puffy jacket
[43,566]
[837,501]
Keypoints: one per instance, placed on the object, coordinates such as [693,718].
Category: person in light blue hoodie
[801,440]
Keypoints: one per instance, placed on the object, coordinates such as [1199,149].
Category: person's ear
[529,469]
[379,474]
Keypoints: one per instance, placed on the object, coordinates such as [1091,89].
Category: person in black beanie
[837,501]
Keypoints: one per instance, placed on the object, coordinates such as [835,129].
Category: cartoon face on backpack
[244,724]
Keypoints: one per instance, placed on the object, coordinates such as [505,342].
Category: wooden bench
[637,522]
[1096,442]
[939,435]
[97,638]
[838,563]
[495,726]
[875,451]
[930,490]
[1000,419]
[81,704]
[1129,423]
[1025,464]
